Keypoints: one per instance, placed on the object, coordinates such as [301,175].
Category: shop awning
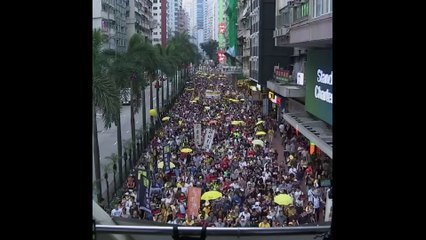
[314,130]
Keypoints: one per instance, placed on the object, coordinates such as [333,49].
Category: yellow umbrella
[258,142]
[186,150]
[189,89]
[152,112]
[253,88]
[165,119]
[236,122]
[207,107]
[211,195]
[260,133]
[161,165]
[260,122]
[193,101]
[283,199]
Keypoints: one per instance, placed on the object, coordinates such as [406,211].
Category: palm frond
[106,98]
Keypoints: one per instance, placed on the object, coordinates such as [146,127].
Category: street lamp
[114,169]
[125,162]
[107,187]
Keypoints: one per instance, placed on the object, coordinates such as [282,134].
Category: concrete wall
[317,29]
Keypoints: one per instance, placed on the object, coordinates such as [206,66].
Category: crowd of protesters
[248,175]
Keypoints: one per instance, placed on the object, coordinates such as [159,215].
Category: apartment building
[110,17]
[139,18]
[156,15]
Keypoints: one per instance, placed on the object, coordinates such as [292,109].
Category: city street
[107,138]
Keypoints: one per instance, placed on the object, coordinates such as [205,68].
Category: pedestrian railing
[300,232]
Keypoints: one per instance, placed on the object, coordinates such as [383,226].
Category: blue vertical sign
[143,191]
[155,161]
[166,158]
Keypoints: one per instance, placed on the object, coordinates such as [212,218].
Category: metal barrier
[213,231]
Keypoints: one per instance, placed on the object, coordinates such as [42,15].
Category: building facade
[306,88]
[243,35]
[139,18]
[211,25]
[156,15]
[200,22]
[109,16]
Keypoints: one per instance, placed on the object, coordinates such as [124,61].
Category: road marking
[137,122]
[127,131]
[115,143]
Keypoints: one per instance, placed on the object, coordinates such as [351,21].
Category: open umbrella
[258,142]
[211,195]
[186,150]
[237,122]
[161,165]
[283,199]
[165,119]
[260,133]
[260,122]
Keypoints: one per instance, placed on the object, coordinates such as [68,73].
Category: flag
[143,191]
[166,158]
[311,148]
[193,201]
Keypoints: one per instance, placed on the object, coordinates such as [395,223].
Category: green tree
[142,60]
[210,47]
[105,99]
[182,52]
[120,76]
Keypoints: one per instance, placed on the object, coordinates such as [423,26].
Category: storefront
[276,104]
[316,122]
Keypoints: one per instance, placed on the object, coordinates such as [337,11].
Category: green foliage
[210,47]
[113,158]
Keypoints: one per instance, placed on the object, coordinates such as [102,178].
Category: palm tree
[141,58]
[118,71]
[166,66]
[105,99]
[184,52]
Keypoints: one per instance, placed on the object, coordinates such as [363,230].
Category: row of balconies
[303,21]
[106,15]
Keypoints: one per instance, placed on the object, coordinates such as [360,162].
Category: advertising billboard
[319,84]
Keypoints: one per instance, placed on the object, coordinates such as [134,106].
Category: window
[155,14]
[155,1]
[155,8]
[322,7]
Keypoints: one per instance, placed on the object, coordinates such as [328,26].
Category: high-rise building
[243,35]
[139,13]
[110,17]
[181,21]
[211,25]
[156,15]
[173,10]
[190,7]
[200,22]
